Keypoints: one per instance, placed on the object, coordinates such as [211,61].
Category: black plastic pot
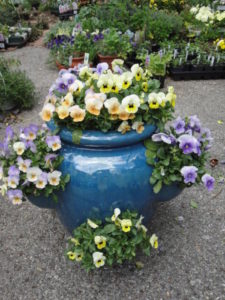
[161,80]
[65,16]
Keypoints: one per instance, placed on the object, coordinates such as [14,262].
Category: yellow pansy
[98,259]
[145,86]
[105,83]
[137,72]
[131,103]
[154,241]
[126,225]
[100,241]
[47,112]
[138,126]
[67,100]
[126,79]
[112,105]
[75,241]
[77,113]
[153,101]
[71,255]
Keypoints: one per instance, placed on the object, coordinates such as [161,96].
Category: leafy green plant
[157,64]
[95,244]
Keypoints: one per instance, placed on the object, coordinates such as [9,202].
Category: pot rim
[98,139]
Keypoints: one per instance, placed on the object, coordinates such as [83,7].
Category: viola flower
[161,98]
[94,103]
[54,178]
[19,148]
[105,83]
[124,127]
[30,145]
[33,173]
[112,105]
[15,196]
[123,115]
[76,87]
[131,103]
[30,132]
[171,96]
[53,142]
[154,241]
[14,171]
[145,86]
[62,111]
[49,158]
[137,72]
[117,85]
[23,164]
[85,72]
[165,138]
[67,100]
[77,113]
[208,182]
[100,241]
[61,86]
[188,144]
[4,149]
[41,181]
[9,133]
[126,225]
[79,256]
[138,126]
[179,125]
[92,224]
[101,68]
[71,255]
[194,123]
[116,214]
[126,79]
[13,181]
[47,112]
[189,173]
[98,259]
[154,101]
[68,78]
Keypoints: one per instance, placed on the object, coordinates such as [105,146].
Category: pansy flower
[126,225]
[19,148]
[98,259]
[112,105]
[77,113]
[15,196]
[54,178]
[131,103]
[100,241]
[137,72]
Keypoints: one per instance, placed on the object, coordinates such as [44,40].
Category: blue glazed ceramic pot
[107,170]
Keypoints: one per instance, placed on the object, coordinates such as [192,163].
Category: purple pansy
[118,70]
[162,137]
[30,145]
[101,68]
[23,164]
[61,86]
[208,182]
[13,181]
[13,171]
[50,157]
[189,173]
[53,142]
[68,78]
[189,144]
[179,125]
[194,123]
[9,133]
[15,196]
[30,132]
[4,148]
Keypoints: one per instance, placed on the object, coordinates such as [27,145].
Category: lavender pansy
[101,68]
[13,171]
[189,173]
[179,125]
[50,157]
[68,78]
[9,133]
[15,196]
[208,181]
[194,123]
[53,142]
[162,137]
[188,144]
[61,87]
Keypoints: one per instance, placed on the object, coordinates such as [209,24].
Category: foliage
[95,244]
[15,86]
[29,162]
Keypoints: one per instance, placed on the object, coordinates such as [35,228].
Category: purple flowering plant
[29,162]
[179,155]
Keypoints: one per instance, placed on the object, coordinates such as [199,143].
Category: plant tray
[198,73]
[66,15]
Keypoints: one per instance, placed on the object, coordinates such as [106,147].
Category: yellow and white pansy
[117,83]
[138,126]
[77,113]
[62,111]
[161,98]
[154,241]
[54,178]
[85,72]
[3,189]
[124,127]
[126,225]
[75,241]
[47,112]
[123,115]
[76,87]
[100,241]
[105,83]
[98,259]
[171,96]
[154,101]
[116,214]
[92,224]
[50,99]
[145,86]
[131,103]
[68,100]
[94,103]
[137,72]
[33,173]
[117,62]
[126,79]
[19,148]
[112,105]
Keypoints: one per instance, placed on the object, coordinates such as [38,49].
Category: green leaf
[76,136]
[109,228]
[152,180]
[194,204]
[157,187]
[67,178]
[150,145]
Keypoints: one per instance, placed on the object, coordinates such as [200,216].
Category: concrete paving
[190,264]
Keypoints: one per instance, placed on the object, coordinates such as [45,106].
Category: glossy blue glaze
[107,170]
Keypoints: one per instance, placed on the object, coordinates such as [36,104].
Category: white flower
[3,189]
[94,103]
[117,62]
[77,113]
[47,112]
[124,127]
[131,103]
[194,10]
[92,224]
[62,111]
[154,241]
[116,214]
[41,182]
[112,105]
[105,82]
[138,126]
[98,259]
[76,87]
[19,147]
[137,71]
[67,100]
[54,178]
[139,224]
[33,174]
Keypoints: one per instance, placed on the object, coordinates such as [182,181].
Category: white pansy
[124,127]
[98,259]
[131,103]
[33,174]
[112,105]
[92,224]
[126,79]
[116,214]
[137,71]
[62,111]
[47,112]
[68,100]
[138,126]
[54,177]
[19,148]
[3,189]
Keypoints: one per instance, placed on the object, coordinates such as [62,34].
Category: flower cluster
[206,15]
[180,154]
[28,163]
[95,244]
[98,98]
[220,44]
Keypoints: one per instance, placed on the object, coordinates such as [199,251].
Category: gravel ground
[190,263]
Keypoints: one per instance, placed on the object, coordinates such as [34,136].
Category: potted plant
[113,45]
